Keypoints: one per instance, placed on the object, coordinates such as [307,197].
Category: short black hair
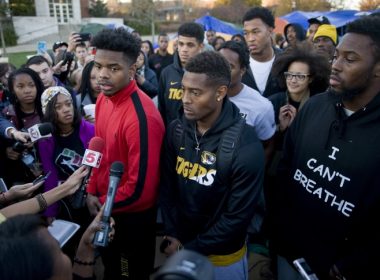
[118,40]
[162,34]
[80,44]
[39,87]
[369,26]
[24,253]
[262,13]
[241,37]
[239,48]
[36,60]
[213,64]
[192,29]
[319,66]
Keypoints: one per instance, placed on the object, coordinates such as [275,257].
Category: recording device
[36,132]
[3,186]
[91,158]
[68,57]
[85,37]
[101,237]
[41,178]
[40,131]
[304,269]
[186,265]
[41,47]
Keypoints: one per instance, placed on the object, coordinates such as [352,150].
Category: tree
[366,5]
[232,11]
[285,6]
[99,9]
[22,7]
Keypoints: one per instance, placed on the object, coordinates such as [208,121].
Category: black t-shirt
[157,63]
[68,154]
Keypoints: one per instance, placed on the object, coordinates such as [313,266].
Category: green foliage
[99,9]
[18,59]
[22,7]
[10,36]
[142,28]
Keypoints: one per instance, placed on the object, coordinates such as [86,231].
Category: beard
[349,94]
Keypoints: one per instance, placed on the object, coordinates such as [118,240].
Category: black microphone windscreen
[117,169]
[45,128]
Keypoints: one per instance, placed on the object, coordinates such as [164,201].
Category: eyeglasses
[299,77]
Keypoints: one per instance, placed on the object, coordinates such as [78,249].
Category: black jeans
[131,254]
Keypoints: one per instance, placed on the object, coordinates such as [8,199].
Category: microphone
[91,158]
[101,237]
[40,131]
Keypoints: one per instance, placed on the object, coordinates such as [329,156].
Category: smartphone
[85,36]
[41,47]
[304,269]
[41,178]
[3,186]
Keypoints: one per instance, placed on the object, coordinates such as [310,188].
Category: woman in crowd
[24,111]
[218,42]
[62,153]
[89,89]
[147,48]
[145,77]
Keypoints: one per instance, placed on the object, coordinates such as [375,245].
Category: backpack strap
[178,133]
[226,149]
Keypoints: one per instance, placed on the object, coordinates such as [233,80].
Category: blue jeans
[235,271]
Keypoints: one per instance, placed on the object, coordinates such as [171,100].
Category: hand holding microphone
[91,158]
[116,172]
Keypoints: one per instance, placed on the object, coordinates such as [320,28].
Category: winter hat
[49,94]
[327,30]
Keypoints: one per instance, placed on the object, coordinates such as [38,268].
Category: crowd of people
[253,146]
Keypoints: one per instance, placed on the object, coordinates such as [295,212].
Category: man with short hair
[162,58]
[59,46]
[258,25]
[254,108]
[207,208]
[132,129]
[190,43]
[328,193]
[81,53]
[314,23]
[325,40]
[210,36]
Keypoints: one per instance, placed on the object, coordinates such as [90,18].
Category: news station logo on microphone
[40,131]
[91,158]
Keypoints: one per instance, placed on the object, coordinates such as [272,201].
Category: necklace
[67,133]
[197,149]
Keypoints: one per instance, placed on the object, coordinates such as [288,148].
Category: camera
[85,37]
[27,158]
[68,57]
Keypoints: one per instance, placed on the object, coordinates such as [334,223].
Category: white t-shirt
[257,111]
[261,71]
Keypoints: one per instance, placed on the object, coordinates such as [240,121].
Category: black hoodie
[170,91]
[191,190]
[328,205]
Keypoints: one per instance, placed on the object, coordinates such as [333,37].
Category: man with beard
[328,200]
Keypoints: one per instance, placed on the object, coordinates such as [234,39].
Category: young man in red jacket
[132,130]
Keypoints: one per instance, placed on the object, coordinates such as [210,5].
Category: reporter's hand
[88,235]
[173,247]
[22,191]
[11,154]
[73,182]
[93,204]
[21,136]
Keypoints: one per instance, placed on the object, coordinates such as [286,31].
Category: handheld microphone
[101,237]
[91,158]
[40,131]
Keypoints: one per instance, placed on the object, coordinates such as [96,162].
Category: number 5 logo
[91,158]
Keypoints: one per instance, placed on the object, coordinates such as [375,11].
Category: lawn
[17,59]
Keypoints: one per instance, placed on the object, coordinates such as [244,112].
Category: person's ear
[376,70]
[132,70]
[221,92]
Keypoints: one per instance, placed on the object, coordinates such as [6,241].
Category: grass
[17,59]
